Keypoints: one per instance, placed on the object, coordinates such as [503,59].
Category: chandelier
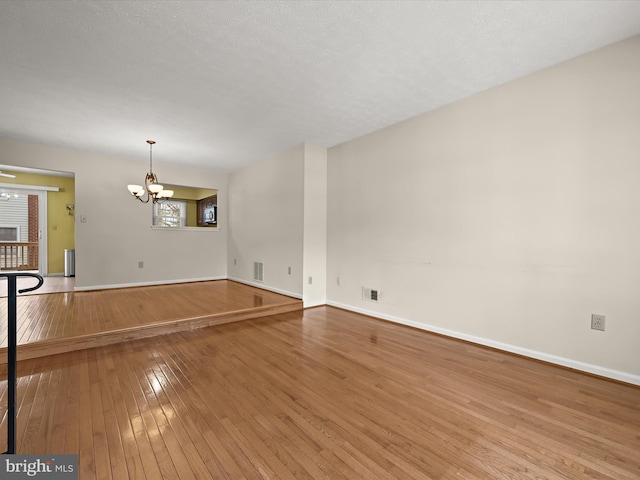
[153,190]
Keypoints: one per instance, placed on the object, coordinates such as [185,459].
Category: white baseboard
[546,357]
[147,284]
[266,287]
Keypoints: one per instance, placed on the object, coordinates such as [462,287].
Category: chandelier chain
[151,190]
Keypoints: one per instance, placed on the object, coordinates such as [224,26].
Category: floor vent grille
[258,271]
[370,294]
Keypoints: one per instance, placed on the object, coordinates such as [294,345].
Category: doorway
[47,221]
[23,229]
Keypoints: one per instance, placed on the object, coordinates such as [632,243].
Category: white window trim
[183,214]
[18,232]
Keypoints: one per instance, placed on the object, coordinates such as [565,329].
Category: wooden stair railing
[18,255]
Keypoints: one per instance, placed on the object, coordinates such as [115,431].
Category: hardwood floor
[53,284]
[62,322]
[326,394]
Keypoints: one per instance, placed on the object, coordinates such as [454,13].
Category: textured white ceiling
[221,84]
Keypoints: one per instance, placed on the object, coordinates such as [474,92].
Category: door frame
[41,192]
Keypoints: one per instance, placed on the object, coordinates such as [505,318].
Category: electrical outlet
[338,281]
[289,270]
[310,280]
[597,322]
[140,264]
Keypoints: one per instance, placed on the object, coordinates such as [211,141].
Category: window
[9,233]
[171,213]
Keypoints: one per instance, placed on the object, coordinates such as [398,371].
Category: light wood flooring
[61,322]
[322,394]
[54,284]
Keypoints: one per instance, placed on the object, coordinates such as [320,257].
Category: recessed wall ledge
[187,229]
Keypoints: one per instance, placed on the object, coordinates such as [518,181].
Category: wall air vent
[258,271]
[370,294]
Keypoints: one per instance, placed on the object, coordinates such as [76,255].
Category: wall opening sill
[187,229]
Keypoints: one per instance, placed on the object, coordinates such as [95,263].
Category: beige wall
[506,218]
[315,226]
[117,233]
[278,216]
[266,208]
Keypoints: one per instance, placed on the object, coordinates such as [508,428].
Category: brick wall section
[33,229]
